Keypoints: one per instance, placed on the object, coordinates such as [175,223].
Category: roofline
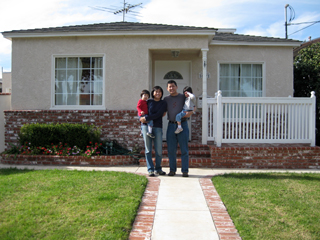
[246,43]
[10,35]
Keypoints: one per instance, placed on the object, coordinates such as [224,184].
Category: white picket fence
[261,120]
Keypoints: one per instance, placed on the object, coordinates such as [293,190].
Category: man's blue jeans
[172,141]
[157,141]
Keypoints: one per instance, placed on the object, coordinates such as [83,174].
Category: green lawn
[272,205]
[62,204]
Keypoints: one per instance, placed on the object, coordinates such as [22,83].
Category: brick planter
[67,161]
[265,156]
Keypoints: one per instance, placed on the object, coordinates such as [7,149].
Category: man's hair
[144,92]
[172,81]
[155,88]
[188,89]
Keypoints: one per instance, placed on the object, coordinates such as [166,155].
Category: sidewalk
[176,207]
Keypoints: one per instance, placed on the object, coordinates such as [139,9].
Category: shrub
[79,135]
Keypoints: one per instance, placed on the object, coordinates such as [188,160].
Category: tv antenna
[124,10]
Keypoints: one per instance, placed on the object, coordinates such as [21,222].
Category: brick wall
[120,125]
[67,161]
[265,156]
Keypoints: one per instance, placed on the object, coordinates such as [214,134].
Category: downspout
[204,97]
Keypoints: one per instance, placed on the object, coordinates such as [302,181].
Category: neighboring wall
[6,82]
[5,104]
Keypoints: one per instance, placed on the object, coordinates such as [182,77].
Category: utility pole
[286,23]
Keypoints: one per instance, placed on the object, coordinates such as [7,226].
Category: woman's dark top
[156,110]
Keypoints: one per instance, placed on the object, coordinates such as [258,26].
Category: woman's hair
[155,88]
[145,92]
[188,89]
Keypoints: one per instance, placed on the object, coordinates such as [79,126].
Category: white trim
[245,43]
[77,107]
[226,30]
[244,62]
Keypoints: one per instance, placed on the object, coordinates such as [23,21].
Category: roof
[304,45]
[239,39]
[110,27]
[224,37]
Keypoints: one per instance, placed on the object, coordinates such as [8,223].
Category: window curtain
[241,80]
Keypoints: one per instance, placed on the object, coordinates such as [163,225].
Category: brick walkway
[142,226]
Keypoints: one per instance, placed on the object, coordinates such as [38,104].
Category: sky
[250,17]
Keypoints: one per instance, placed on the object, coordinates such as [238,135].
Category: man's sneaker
[171,173]
[161,172]
[185,174]
[179,130]
[150,135]
[151,174]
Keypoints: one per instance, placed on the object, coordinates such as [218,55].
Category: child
[189,105]
[142,108]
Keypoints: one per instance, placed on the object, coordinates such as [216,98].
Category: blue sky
[252,17]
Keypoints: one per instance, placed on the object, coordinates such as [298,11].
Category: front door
[172,70]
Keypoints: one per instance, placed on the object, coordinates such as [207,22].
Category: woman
[157,108]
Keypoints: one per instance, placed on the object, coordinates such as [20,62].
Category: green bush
[79,135]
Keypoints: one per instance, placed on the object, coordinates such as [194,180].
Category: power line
[304,28]
[292,16]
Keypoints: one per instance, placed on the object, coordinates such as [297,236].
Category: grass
[272,205]
[62,204]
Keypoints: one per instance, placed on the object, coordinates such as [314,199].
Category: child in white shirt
[189,105]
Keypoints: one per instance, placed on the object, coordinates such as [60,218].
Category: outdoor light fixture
[175,53]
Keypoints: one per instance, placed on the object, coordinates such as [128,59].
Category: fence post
[204,97]
[219,119]
[312,120]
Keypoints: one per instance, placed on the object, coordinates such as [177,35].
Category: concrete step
[200,162]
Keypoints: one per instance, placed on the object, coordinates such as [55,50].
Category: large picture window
[241,80]
[78,81]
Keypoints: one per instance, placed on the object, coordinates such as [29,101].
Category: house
[304,45]
[94,74]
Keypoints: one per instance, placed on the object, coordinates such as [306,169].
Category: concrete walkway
[182,209]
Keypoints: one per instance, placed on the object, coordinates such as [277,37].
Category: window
[78,81]
[241,80]
[173,75]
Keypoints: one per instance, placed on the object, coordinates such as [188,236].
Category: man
[175,102]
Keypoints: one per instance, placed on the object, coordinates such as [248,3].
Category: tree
[307,77]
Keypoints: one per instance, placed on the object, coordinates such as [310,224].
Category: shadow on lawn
[275,176]
[10,171]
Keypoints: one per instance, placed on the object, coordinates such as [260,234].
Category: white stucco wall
[127,66]
[277,61]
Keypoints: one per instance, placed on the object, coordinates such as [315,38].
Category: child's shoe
[179,130]
[150,135]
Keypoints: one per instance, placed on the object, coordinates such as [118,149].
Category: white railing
[261,120]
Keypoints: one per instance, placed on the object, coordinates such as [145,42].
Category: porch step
[199,156]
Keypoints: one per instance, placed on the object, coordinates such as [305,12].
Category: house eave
[244,43]
[11,35]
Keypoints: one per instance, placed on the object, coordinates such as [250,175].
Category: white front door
[176,70]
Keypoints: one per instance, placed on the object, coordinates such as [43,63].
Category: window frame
[241,63]
[77,107]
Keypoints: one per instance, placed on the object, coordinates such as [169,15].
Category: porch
[273,120]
